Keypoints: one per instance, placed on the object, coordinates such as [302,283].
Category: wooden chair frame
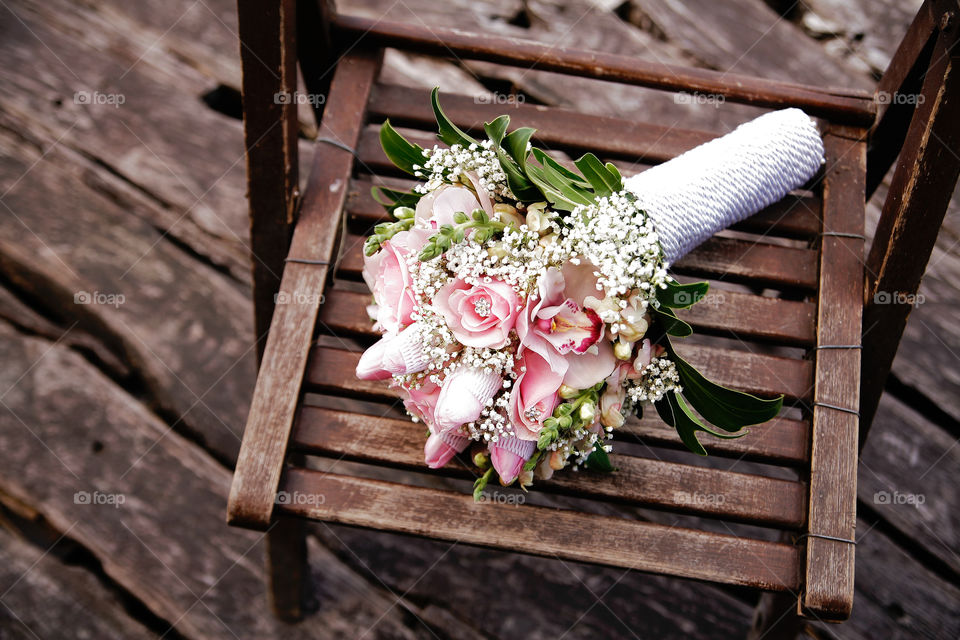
[294,241]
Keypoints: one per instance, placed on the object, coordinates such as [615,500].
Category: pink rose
[562,331]
[508,455]
[387,276]
[479,315]
[437,207]
[534,395]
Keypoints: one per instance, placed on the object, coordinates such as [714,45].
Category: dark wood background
[128,354]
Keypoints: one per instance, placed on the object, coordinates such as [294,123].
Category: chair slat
[641,481]
[729,259]
[841,105]
[833,459]
[275,398]
[746,315]
[556,128]
[541,531]
[796,216]
[781,441]
[331,370]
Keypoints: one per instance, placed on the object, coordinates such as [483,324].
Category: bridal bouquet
[526,305]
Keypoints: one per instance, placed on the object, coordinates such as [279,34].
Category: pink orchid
[388,277]
[557,326]
[508,454]
[611,402]
[479,315]
[535,394]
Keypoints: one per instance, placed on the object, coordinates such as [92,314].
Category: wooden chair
[309,243]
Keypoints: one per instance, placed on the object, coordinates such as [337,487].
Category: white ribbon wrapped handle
[728,179]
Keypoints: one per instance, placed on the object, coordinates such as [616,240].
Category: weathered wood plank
[896,598]
[182,327]
[332,370]
[43,597]
[314,239]
[154,515]
[617,542]
[642,481]
[841,105]
[747,36]
[829,584]
[907,475]
[907,231]
[195,189]
[541,597]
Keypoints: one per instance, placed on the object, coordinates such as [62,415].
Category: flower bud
[622,350]
[566,392]
[498,250]
[548,240]
[525,478]
[507,214]
[588,412]
[481,459]
[403,213]
[557,460]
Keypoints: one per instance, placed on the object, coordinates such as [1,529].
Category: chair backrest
[918,120]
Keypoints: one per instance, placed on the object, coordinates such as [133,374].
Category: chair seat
[773,276]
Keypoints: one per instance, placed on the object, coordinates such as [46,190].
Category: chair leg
[288,572]
[775,618]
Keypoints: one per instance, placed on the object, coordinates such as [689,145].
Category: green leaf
[399,150]
[520,182]
[674,411]
[556,168]
[551,193]
[681,296]
[531,464]
[599,460]
[516,145]
[603,181]
[672,325]
[725,408]
[389,198]
[447,131]
[613,171]
[497,129]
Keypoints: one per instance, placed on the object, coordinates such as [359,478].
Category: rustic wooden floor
[127,348]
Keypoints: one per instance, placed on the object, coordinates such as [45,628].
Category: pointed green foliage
[399,150]
[671,324]
[447,131]
[725,408]
[516,144]
[681,296]
[603,181]
[675,412]
[599,460]
[497,129]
